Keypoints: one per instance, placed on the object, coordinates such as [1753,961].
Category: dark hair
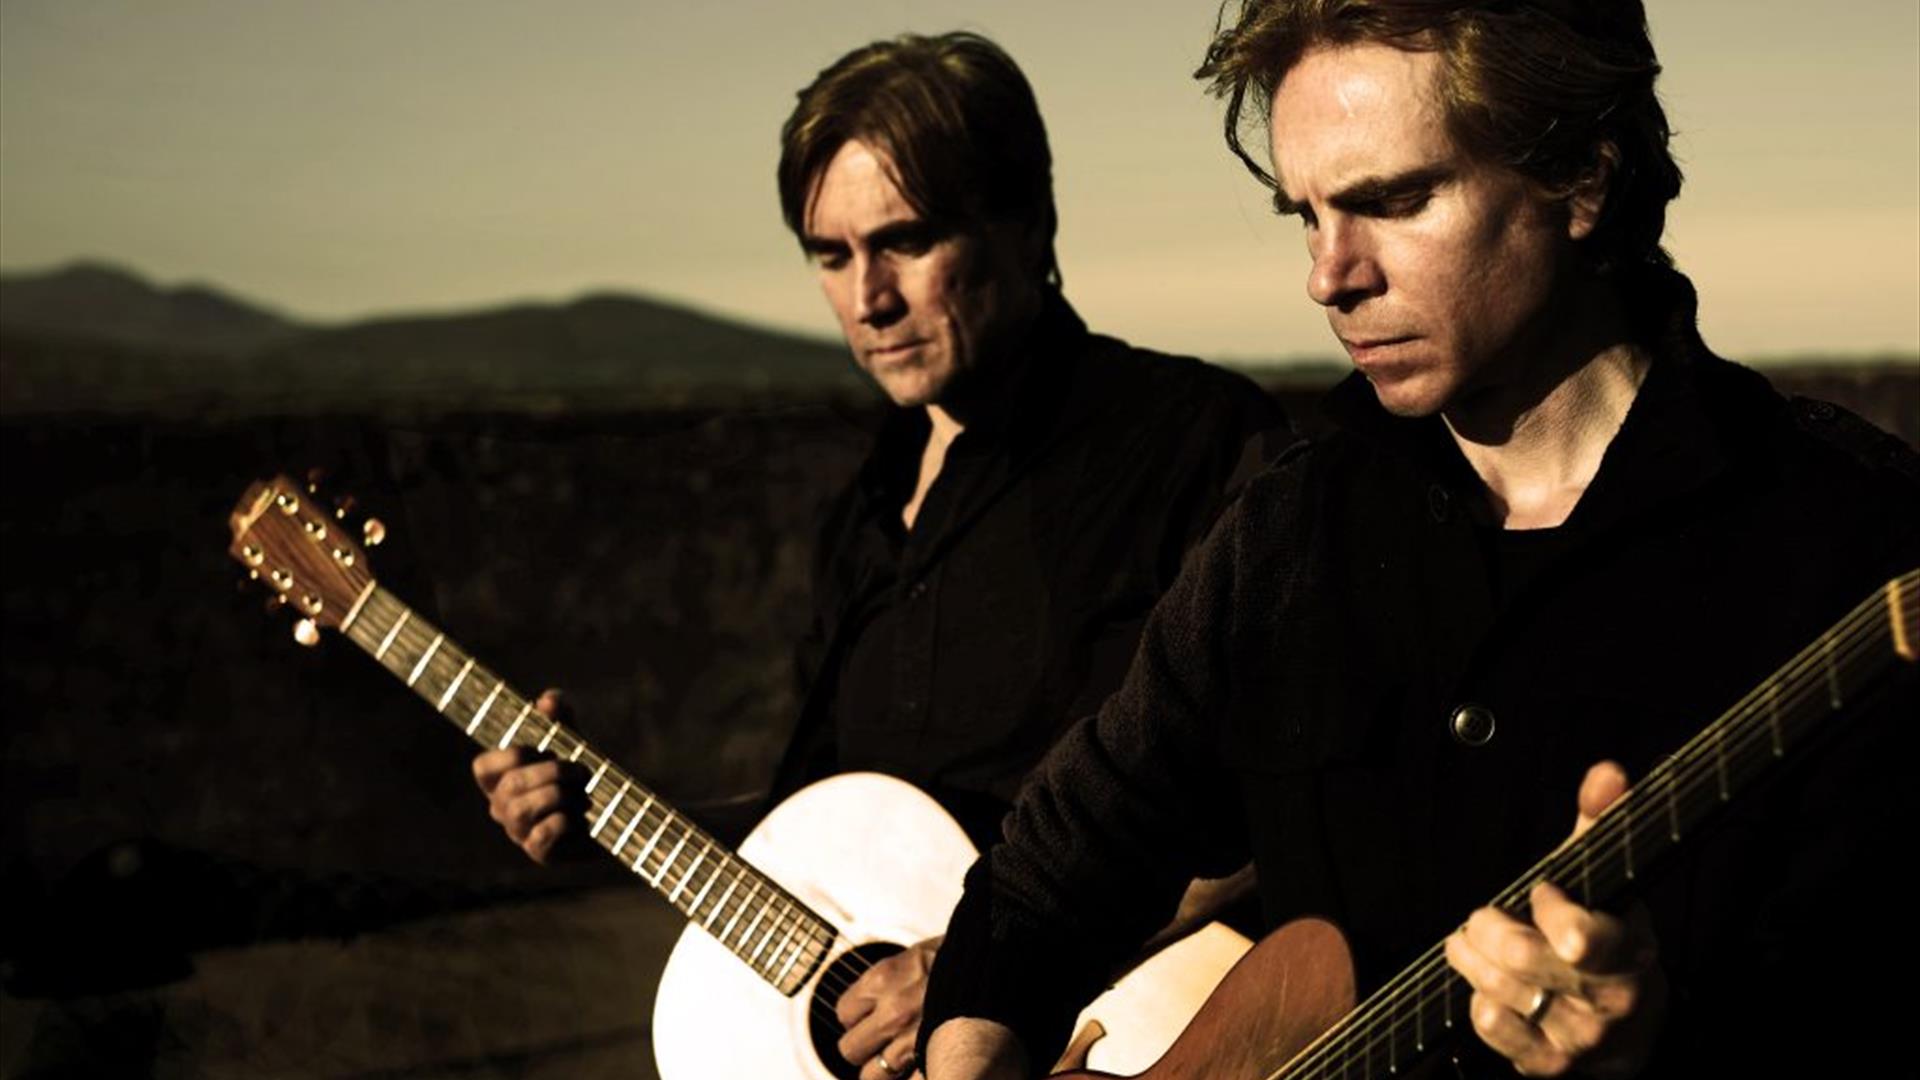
[955,119]
[1544,87]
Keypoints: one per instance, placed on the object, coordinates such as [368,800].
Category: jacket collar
[1672,443]
[1031,398]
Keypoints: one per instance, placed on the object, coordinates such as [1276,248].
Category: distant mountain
[97,302]
[622,346]
[94,337]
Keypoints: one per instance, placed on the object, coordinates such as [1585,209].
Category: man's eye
[1400,206]
[830,260]
[910,244]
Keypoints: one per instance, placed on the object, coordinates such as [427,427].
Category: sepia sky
[344,159]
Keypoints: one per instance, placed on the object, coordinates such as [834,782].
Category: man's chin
[1408,398]
[909,391]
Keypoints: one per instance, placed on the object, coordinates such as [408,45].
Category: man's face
[920,306]
[1436,270]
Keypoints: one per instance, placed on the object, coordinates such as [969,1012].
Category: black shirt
[952,655]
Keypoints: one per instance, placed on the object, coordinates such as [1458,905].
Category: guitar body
[1287,990]
[872,854]
[884,863]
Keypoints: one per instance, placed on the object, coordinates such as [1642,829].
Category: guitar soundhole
[821,1022]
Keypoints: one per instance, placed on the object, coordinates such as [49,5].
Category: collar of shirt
[1669,446]
[1033,395]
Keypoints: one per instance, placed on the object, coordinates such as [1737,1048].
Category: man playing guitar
[1553,530]
[1031,492]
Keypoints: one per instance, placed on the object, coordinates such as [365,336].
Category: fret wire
[679,843]
[688,872]
[774,957]
[753,889]
[392,632]
[747,934]
[612,805]
[693,906]
[454,687]
[626,833]
[421,665]
[480,713]
[720,905]
[786,969]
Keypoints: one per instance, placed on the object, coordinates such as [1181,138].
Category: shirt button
[917,590]
[1472,725]
[1439,503]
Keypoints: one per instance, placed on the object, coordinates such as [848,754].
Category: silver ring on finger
[887,1065]
[1542,1001]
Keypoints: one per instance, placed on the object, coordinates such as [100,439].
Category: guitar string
[1432,962]
[817,937]
[1863,628]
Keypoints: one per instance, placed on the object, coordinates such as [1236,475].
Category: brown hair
[956,121]
[1560,91]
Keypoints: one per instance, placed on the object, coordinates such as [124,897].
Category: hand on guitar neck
[536,799]
[1574,988]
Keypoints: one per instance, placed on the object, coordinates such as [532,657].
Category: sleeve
[1128,807]
[1232,432]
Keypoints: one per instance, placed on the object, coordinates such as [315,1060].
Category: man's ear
[1588,196]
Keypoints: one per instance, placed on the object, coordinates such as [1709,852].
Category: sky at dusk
[345,159]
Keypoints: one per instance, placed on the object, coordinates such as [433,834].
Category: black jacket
[1295,691]
[1013,606]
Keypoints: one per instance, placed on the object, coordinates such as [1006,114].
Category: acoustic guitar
[1286,1011]
[837,877]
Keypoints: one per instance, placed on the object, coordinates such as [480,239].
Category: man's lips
[1362,350]
[894,350]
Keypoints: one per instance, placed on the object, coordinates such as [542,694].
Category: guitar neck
[1427,1002]
[775,934]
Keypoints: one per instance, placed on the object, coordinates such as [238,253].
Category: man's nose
[1345,270]
[876,292]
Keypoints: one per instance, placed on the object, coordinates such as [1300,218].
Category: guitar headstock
[297,545]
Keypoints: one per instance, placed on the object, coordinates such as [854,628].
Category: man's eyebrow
[1373,190]
[915,228]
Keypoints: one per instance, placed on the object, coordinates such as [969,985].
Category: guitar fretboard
[775,934]
[1426,1005]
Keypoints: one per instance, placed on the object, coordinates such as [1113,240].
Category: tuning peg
[342,506]
[374,532]
[315,477]
[306,633]
[276,602]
